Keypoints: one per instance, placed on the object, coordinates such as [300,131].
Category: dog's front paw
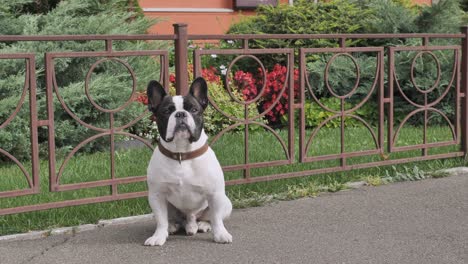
[156,240]
[223,237]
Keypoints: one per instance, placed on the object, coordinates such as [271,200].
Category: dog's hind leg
[173,228]
[203,221]
[220,209]
[204,226]
[224,210]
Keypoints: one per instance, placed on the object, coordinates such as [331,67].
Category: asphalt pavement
[411,222]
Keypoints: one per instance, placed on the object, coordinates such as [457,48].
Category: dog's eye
[194,110]
[166,111]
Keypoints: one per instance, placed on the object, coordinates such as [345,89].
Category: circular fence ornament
[326,76]
[125,104]
[436,84]
[413,64]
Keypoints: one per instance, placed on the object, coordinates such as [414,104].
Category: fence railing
[297,142]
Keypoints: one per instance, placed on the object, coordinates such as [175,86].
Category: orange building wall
[198,23]
[201,22]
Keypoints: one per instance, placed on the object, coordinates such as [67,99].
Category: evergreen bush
[110,82]
[304,17]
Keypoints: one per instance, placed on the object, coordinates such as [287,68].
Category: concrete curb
[25,236]
[125,220]
[76,229]
[356,185]
[454,171]
[140,218]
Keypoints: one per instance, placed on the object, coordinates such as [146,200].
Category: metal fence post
[464,91]
[181,56]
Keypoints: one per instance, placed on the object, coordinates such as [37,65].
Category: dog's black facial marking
[163,112]
[192,106]
[195,109]
[167,107]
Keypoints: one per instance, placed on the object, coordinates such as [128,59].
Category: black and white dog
[185,179]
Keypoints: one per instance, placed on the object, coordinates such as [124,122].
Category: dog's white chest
[186,185]
[185,189]
[182,177]
[186,198]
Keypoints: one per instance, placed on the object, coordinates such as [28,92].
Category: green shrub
[442,17]
[304,17]
[315,114]
[388,16]
[342,74]
[110,84]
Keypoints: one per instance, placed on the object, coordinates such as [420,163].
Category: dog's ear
[199,90]
[155,93]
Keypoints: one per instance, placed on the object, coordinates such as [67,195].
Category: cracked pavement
[411,222]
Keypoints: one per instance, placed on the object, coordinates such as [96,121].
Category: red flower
[172,78]
[276,80]
[210,75]
[141,98]
[245,84]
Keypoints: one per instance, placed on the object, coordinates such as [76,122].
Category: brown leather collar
[180,156]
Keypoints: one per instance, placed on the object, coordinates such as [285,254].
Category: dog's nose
[181,114]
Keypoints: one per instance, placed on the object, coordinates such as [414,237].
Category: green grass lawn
[230,150]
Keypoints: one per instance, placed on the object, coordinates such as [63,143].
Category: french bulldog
[185,181]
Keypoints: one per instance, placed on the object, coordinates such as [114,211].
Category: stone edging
[76,229]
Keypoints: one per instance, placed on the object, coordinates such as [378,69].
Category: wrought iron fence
[296,142]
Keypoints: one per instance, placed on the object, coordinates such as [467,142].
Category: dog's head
[179,116]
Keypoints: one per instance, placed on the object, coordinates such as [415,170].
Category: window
[252,4]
